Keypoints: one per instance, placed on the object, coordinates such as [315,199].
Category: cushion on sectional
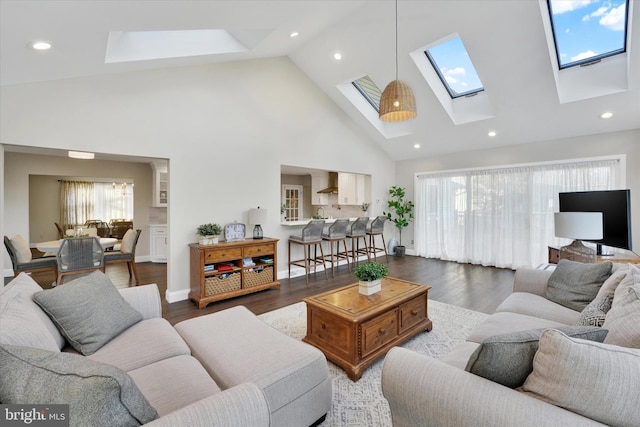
[574,284]
[595,313]
[21,248]
[508,359]
[21,326]
[25,286]
[596,380]
[88,311]
[611,284]
[97,394]
[623,320]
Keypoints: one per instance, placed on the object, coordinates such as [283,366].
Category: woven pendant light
[397,102]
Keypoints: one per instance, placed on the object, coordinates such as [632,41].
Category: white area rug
[362,403]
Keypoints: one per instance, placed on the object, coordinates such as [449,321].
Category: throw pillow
[88,311]
[128,241]
[21,326]
[97,394]
[21,248]
[598,381]
[623,320]
[595,313]
[574,284]
[611,284]
[507,359]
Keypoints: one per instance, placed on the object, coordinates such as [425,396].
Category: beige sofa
[585,376]
[222,369]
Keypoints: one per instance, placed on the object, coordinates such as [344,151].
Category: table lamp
[257,216]
[578,226]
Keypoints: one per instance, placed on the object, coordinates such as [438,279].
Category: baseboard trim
[175,296]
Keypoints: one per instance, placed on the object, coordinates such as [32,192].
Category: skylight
[589,30]
[369,90]
[454,67]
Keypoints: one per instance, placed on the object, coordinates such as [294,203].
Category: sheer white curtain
[76,202]
[113,201]
[501,217]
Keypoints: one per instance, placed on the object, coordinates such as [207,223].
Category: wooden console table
[621,257]
[354,330]
[230,269]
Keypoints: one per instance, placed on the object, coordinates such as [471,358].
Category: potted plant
[401,214]
[208,233]
[370,277]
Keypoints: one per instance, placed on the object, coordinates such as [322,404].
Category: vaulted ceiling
[505,39]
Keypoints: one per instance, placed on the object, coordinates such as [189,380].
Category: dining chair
[78,255]
[26,263]
[127,252]
[60,230]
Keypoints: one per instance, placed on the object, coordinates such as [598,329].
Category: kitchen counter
[306,221]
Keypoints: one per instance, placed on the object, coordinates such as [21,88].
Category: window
[85,201]
[503,216]
[454,67]
[587,31]
[369,90]
[292,202]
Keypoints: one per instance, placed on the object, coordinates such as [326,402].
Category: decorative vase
[369,288]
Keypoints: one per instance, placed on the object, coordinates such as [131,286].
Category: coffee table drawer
[331,333]
[379,331]
[413,312]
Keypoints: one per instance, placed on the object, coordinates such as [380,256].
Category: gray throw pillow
[595,313]
[97,394]
[88,311]
[574,284]
[507,359]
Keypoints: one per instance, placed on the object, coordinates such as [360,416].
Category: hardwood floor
[474,287]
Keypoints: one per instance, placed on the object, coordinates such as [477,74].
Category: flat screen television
[615,206]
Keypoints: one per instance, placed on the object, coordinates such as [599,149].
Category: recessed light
[606,115]
[337,56]
[81,155]
[41,45]
[294,34]
[492,133]
[416,145]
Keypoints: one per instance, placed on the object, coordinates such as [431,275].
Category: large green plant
[402,210]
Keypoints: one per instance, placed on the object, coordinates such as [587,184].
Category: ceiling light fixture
[294,34]
[606,115]
[41,45]
[397,102]
[416,146]
[492,133]
[337,56]
[81,155]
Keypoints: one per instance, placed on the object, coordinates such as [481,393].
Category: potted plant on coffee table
[370,277]
[401,214]
[208,233]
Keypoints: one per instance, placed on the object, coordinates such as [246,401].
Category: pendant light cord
[396,39]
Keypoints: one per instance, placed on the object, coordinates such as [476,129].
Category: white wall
[627,142]
[225,129]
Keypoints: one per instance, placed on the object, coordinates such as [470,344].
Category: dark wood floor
[470,286]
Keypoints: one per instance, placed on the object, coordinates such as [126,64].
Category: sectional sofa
[562,350]
[110,355]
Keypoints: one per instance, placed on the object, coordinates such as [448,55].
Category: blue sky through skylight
[454,66]
[586,29]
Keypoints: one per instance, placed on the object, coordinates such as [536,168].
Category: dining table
[54,245]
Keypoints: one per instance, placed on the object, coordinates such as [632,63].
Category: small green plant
[284,207]
[209,230]
[403,209]
[364,206]
[371,271]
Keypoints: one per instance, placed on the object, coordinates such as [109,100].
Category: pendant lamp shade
[397,102]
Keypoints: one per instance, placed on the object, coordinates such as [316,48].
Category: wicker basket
[252,278]
[216,285]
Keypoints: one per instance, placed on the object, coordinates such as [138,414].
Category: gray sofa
[569,381]
[221,369]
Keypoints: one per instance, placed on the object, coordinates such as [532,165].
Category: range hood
[333,184]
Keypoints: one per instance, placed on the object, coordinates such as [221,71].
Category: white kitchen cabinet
[160,183]
[319,182]
[159,239]
[353,189]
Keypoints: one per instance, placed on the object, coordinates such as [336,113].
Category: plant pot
[208,240]
[400,250]
[369,288]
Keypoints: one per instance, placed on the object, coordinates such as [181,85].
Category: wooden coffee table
[354,330]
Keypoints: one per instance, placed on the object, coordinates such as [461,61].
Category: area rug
[362,403]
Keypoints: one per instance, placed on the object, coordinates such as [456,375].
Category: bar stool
[355,232]
[311,236]
[376,228]
[337,233]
